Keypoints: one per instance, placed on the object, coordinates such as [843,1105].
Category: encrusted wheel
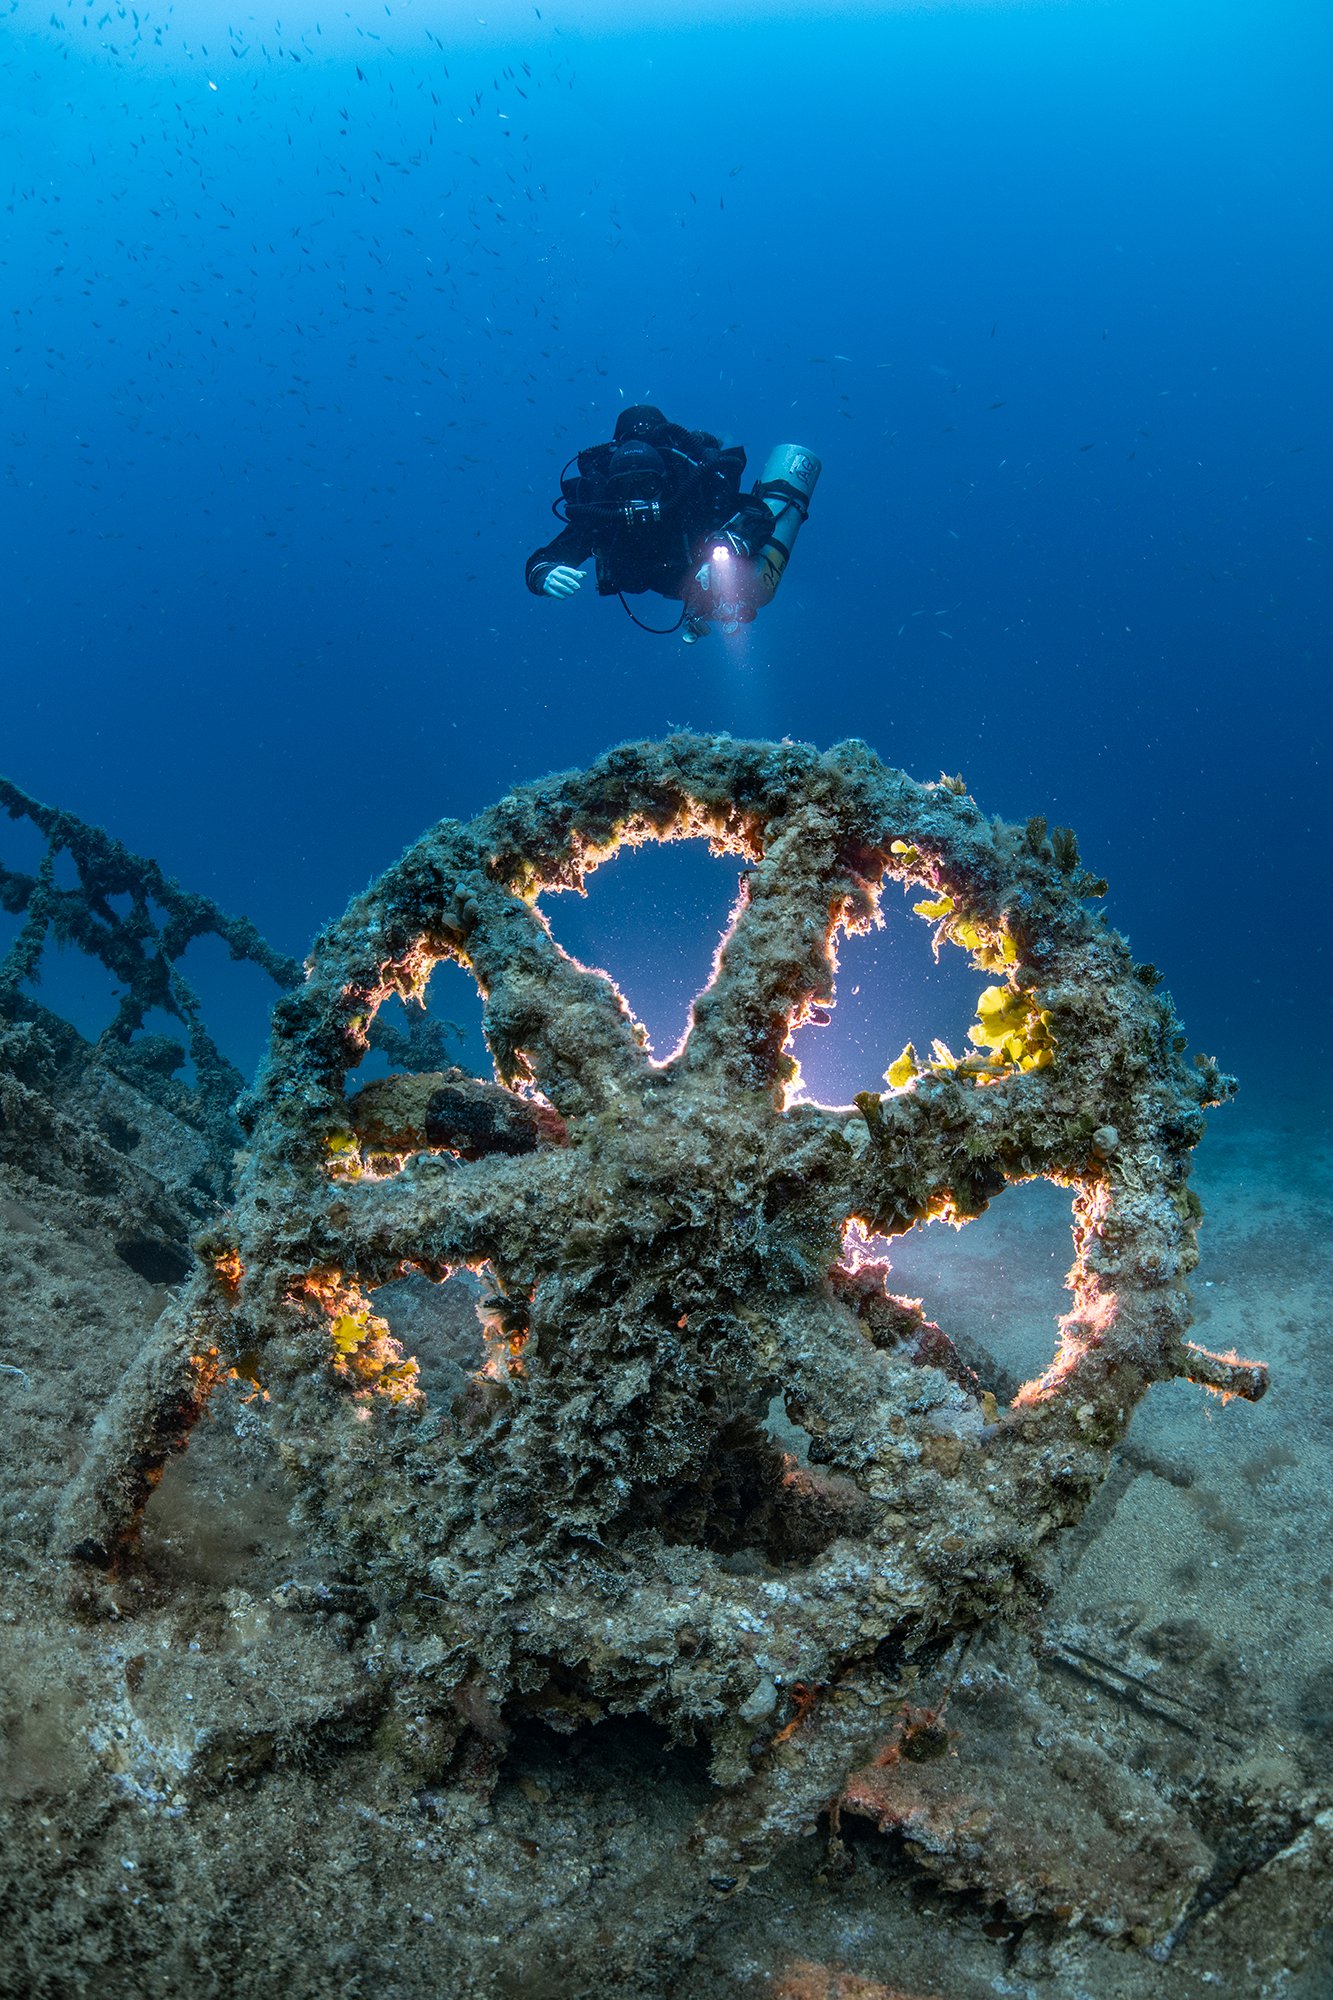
[614,1514]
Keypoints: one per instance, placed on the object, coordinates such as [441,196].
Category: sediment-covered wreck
[610,1449]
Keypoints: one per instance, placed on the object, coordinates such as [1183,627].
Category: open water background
[299,322]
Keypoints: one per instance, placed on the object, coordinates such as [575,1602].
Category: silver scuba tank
[785,486]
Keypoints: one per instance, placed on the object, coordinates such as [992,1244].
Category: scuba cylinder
[731,585]
[785,486]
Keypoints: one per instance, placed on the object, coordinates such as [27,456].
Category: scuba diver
[660,508]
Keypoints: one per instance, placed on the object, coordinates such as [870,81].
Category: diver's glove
[562,581]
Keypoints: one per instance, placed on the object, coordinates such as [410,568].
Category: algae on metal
[140,946]
[608,1519]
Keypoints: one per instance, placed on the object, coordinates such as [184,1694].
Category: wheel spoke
[438,1214]
[948,1146]
[549,1020]
[773,962]
[851,1396]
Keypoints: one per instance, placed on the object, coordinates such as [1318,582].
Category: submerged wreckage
[709,1470]
[606,1507]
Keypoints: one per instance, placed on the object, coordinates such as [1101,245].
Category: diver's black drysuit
[645,506]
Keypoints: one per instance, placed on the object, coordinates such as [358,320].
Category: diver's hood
[640,420]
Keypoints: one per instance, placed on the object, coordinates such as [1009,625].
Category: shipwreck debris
[141,946]
[603,1520]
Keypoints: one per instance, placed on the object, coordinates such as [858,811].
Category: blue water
[300,323]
